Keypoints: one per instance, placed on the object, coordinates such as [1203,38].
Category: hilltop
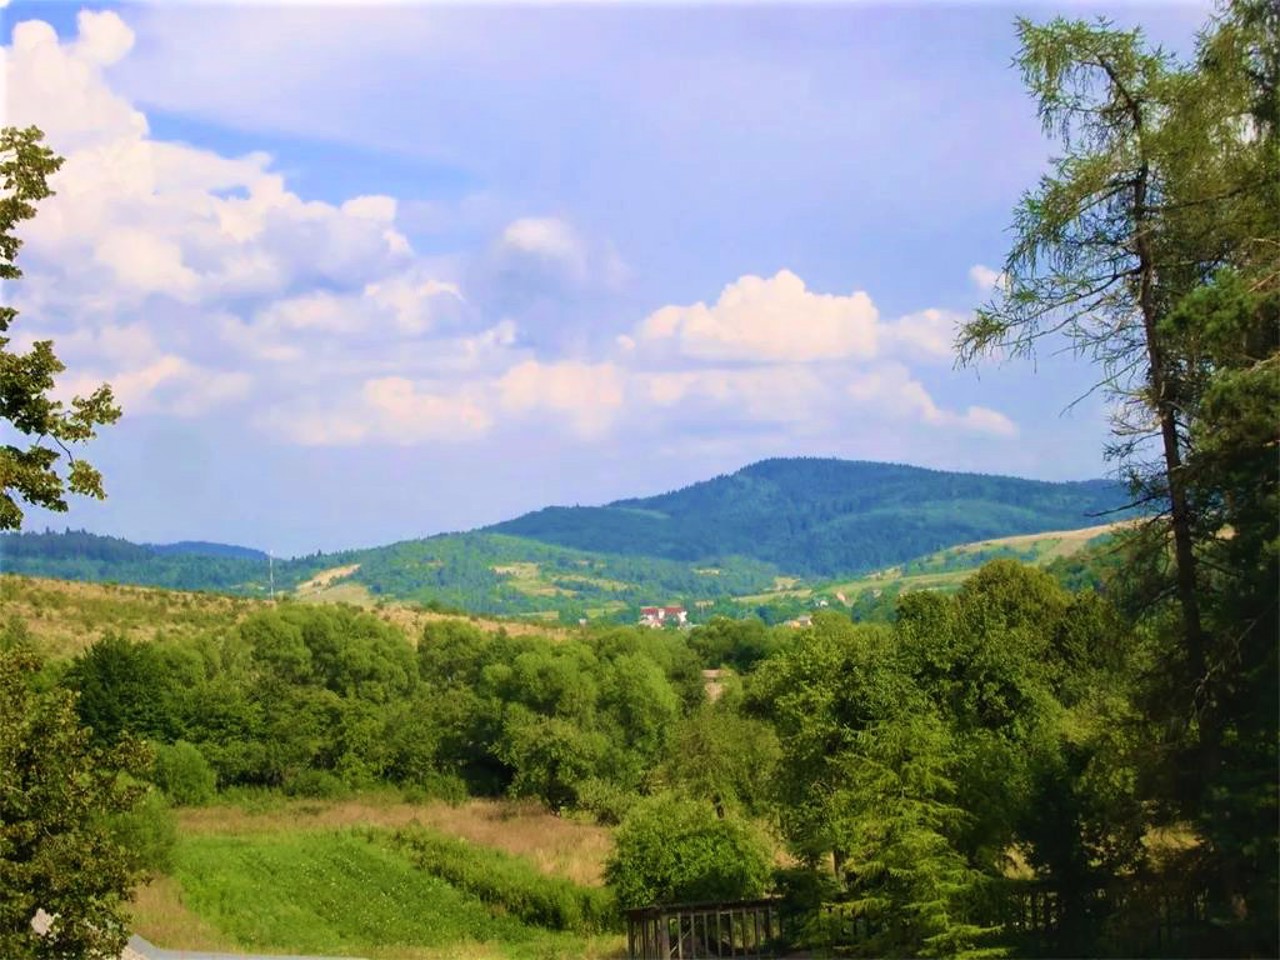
[822,517]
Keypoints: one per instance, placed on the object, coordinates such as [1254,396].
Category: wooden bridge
[749,929]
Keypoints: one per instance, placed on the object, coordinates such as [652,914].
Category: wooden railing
[693,931]
[1134,918]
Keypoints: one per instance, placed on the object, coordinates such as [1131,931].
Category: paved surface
[149,951]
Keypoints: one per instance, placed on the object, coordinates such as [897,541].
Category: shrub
[148,832]
[673,850]
[512,884]
[184,774]
[315,785]
[434,785]
[606,801]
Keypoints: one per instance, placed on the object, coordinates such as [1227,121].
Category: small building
[661,616]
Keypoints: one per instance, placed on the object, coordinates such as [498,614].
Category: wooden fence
[748,929]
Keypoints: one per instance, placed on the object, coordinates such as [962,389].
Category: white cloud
[407,412]
[192,280]
[894,395]
[140,231]
[167,384]
[986,279]
[778,394]
[547,238]
[588,395]
[385,410]
[926,335]
[771,320]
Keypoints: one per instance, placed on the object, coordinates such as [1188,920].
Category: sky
[359,273]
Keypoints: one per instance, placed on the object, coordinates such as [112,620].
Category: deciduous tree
[43,430]
[58,852]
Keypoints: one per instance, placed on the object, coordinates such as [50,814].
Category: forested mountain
[187,565]
[727,537]
[822,517]
[203,548]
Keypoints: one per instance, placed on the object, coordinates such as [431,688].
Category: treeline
[79,555]
[320,699]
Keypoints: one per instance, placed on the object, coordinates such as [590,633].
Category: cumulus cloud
[927,335]
[779,394]
[587,395]
[773,320]
[893,394]
[194,281]
[143,228]
[385,410]
[546,239]
[167,384]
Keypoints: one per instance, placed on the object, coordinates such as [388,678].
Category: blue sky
[360,273]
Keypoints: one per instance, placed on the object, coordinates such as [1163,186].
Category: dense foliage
[59,849]
[673,850]
[1153,245]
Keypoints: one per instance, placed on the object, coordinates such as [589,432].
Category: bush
[448,787]
[148,833]
[184,774]
[606,801]
[673,850]
[510,883]
[315,785]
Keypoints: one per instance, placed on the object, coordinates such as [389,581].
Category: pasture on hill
[64,617]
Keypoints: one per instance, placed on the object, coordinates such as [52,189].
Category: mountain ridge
[734,534]
[820,516]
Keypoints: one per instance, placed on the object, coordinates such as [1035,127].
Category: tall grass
[349,893]
[510,883]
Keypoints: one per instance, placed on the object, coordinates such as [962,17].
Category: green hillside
[739,536]
[822,517]
[78,555]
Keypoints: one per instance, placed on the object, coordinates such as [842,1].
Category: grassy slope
[947,569]
[821,518]
[66,616]
[325,878]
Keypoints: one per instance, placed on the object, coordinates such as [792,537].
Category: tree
[1089,259]
[58,852]
[1169,187]
[26,379]
[674,850]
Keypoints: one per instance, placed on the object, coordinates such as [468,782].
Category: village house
[661,616]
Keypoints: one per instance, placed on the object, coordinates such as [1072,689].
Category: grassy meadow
[264,873]
[945,569]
